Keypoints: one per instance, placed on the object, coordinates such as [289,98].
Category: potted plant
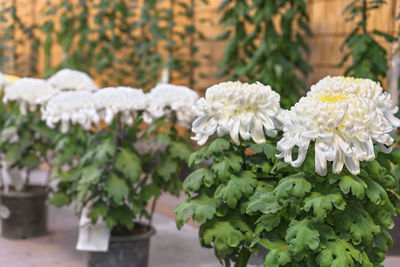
[74,112]
[312,213]
[244,168]
[24,144]
[341,211]
[113,184]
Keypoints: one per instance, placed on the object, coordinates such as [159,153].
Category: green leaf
[202,208]
[338,253]
[355,224]
[58,199]
[225,234]
[13,154]
[292,186]
[278,253]
[217,146]
[98,209]
[180,150]
[116,188]
[279,165]
[353,184]
[221,168]
[384,241]
[129,164]
[323,204]
[166,168]
[120,215]
[194,181]
[90,176]
[268,149]
[149,191]
[301,238]
[266,222]
[236,188]
[264,202]
[105,150]
[30,161]
[375,192]
[197,157]
[388,37]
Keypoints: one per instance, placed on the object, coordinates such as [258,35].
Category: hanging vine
[129,42]
[368,57]
[264,44]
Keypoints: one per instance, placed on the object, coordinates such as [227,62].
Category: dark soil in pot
[126,248]
[27,213]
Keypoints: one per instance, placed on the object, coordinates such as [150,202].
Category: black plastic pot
[27,213]
[127,251]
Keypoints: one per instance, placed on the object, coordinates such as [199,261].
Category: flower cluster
[125,101]
[87,108]
[74,107]
[360,87]
[67,79]
[167,98]
[238,109]
[29,92]
[344,117]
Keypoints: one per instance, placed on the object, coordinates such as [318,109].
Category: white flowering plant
[167,141]
[25,141]
[225,197]
[337,207]
[322,193]
[72,114]
[125,162]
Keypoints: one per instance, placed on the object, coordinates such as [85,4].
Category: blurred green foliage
[368,56]
[264,44]
[125,39]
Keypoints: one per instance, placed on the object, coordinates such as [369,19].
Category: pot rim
[137,237]
[41,191]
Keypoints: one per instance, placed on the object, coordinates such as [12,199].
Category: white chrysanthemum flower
[75,107]
[343,128]
[361,87]
[29,92]
[167,98]
[68,80]
[123,100]
[236,108]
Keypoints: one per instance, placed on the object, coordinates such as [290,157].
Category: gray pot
[126,251]
[27,213]
[395,233]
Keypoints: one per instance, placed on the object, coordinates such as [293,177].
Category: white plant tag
[92,237]
[4,212]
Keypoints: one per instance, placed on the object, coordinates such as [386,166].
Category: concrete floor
[58,248]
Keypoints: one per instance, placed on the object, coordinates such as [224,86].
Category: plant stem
[28,178]
[153,207]
[364,16]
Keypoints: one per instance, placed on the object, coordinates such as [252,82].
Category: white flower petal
[239,109]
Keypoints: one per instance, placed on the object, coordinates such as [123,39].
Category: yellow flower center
[348,79]
[330,98]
